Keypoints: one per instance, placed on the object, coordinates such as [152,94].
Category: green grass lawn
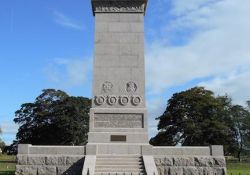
[7,165]
[238,168]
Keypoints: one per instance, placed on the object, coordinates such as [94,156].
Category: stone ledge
[119,6]
[179,151]
[49,160]
[50,150]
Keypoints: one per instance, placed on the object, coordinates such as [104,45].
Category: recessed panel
[118,138]
[106,120]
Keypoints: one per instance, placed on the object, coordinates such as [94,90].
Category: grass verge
[238,168]
[7,164]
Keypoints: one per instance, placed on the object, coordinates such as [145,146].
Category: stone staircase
[119,165]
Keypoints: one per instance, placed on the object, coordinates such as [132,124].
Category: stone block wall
[190,165]
[50,160]
[190,160]
[49,165]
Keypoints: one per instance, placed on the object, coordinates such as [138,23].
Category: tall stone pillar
[118,113]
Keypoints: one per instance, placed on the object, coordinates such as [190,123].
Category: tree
[196,118]
[241,118]
[2,144]
[55,118]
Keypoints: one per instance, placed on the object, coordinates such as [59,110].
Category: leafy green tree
[196,118]
[241,118]
[55,118]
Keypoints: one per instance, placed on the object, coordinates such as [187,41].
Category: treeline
[195,117]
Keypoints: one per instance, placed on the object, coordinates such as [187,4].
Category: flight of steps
[119,165]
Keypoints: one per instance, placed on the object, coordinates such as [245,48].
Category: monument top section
[119,6]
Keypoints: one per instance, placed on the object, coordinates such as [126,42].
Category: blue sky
[49,44]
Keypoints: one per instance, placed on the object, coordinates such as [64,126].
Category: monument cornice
[119,6]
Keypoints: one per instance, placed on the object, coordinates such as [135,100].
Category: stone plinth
[58,160]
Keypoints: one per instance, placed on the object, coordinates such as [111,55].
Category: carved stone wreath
[99,100]
[136,100]
[112,100]
[124,100]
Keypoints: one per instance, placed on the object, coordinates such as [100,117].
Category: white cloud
[8,128]
[236,84]
[69,72]
[218,47]
[66,21]
[156,107]
[181,7]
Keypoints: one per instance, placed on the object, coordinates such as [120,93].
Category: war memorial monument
[118,134]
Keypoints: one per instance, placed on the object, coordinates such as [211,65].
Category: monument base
[91,159]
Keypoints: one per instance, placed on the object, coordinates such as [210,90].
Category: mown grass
[7,164]
[238,168]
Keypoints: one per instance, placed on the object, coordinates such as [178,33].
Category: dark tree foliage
[241,119]
[196,118]
[55,118]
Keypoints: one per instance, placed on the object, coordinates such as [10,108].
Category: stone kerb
[188,151]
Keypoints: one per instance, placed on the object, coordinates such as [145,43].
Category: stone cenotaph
[118,113]
[118,135]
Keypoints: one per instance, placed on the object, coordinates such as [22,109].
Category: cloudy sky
[49,44]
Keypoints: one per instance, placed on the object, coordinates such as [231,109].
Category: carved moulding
[136,100]
[123,100]
[131,87]
[111,99]
[99,100]
[112,6]
[107,87]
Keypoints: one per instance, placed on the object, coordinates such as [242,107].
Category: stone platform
[81,160]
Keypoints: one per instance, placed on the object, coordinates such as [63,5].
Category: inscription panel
[118,138]
[106,120]
[118,6]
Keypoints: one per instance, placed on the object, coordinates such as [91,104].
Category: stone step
[119,169]
[119,159]
[118,156]
[119,163]
[119,173]
[119,166]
